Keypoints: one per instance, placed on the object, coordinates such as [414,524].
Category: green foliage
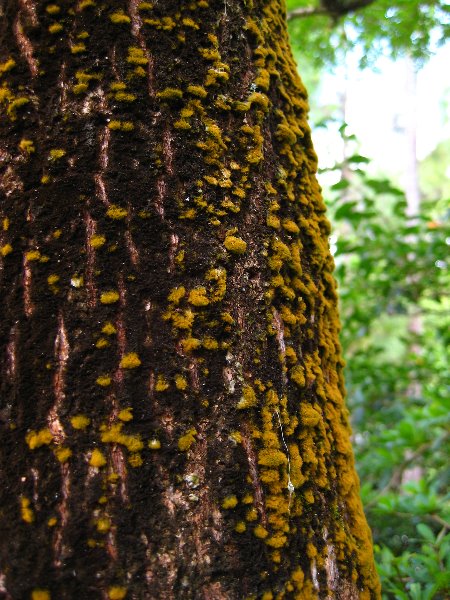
[393,28]
[393,279]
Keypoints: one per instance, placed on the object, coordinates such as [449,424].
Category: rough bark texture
[171,391]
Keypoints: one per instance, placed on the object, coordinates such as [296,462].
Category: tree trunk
[171,381]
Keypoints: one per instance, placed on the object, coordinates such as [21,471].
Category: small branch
[334,8]
[306,11]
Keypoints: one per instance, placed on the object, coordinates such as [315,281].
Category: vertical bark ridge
[172,408]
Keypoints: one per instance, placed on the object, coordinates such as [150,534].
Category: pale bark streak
[59,550]
[90,261]
[27,281]
[62,350]
[25,46]
[254,473]
[136,26]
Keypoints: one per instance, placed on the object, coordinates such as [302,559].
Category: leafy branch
[334,8]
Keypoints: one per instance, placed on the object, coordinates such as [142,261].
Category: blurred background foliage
[391,248]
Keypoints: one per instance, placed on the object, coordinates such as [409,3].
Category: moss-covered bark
[171,391]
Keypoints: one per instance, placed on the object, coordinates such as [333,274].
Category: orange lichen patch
[62,453]
[130,361]
[80,421]
[117,592]
[97,459]
[52,521]
[26,512]
[229,502]
[186,440]
[36,439]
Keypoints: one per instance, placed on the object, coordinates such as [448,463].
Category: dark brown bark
[171,392]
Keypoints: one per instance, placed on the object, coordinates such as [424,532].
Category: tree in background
[171,392]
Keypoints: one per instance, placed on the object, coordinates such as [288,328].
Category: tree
[172,408]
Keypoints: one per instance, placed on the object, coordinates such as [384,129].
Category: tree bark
[172,408]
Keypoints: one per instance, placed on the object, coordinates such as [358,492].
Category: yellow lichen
[97,459]
[240,527]
[154,444]
[40,594]
[197,297]
[52,521]
[176,294]
[190,343]
[161,384]
[235,244]
[103,525]
[103,380]
[117,592]
[108,328]
[36,439]
[130,361]
[229,502]
[27,146]
[26,512]
[186,440]
[260,532]
[52,279]
[109,297]
[102,343]
[55,28]
[248,398]
[80,421]
[119,17]
[169,94]
[114,435]
[126,414]
[57,153]
[116,212]
[135,460]
[180,382]
[6,249]
[62,453]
